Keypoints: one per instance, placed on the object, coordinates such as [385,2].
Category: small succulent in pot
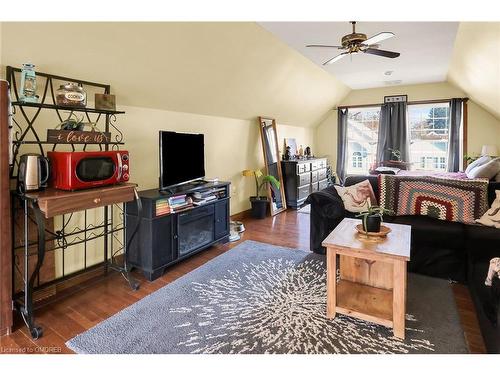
[372,218]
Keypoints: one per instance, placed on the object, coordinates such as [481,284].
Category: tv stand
[165,239]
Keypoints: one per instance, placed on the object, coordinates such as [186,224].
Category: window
[357,160]
[362,137]
[429,126]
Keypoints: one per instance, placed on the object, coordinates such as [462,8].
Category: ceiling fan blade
[322,46]
[378,38]
[381,52]
[336,58]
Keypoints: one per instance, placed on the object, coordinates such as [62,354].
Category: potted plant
[372,218]
[395,154]
[260,202]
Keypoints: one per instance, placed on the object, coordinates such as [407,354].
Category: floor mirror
[270,147]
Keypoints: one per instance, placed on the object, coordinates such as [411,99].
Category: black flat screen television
[182,158]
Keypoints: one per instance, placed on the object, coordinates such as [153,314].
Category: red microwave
[87,169]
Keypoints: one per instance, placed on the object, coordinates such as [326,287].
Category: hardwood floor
[69,314]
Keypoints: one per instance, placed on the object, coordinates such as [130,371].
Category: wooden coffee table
[372,283]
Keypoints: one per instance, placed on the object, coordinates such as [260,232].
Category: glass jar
[71,95]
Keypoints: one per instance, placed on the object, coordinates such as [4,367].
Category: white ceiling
[426,50]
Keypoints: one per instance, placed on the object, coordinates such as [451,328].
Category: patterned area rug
[259,298]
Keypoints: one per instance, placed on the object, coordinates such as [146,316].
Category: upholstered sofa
[443,249]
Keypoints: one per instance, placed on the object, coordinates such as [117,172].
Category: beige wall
[231,145]
[483,127]
[235,70]
[475,65]
[211,78]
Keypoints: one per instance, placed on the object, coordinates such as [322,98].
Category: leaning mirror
[269,139]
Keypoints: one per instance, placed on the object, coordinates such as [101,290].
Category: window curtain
[341,143]
[393,131]
[455,130]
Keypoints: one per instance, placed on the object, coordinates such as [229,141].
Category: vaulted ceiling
[425,47]
[242,70]
[465,54]
[236,70]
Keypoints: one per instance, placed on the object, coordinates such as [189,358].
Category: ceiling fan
[358,42]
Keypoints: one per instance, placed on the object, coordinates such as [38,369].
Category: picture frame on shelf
[292,143]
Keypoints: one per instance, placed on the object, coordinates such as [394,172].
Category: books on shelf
[177,199]
[179,205]
[182,202]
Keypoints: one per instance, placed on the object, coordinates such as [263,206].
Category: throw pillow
[497,177]
[488,170]
[477,163]
[491,217]
[358,197]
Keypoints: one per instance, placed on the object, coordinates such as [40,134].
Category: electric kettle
[33,172]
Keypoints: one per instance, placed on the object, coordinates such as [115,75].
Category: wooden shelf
[67,108]
[365,302]
[67,144]
[53,202]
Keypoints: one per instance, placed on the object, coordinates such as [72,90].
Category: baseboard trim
[241,215]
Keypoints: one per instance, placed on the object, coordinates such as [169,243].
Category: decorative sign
[76,136]
[395,98]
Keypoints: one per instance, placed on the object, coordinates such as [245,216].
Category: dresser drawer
[314,187]
[303,179]
[303,167]
[322,184]
[321,163]
[314,165]
[303,192]
[314,176]
[321,174]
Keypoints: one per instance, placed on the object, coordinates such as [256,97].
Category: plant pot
[259,207]
[372,224]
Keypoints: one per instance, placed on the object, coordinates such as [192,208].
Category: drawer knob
[97,200]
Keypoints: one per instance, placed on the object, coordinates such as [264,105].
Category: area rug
[260,298]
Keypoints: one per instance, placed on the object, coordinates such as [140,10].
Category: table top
[396,244]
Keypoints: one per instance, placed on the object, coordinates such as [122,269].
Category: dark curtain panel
[393,131]
[454,134]
[341,143]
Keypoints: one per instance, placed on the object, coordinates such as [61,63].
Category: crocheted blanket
[445,199]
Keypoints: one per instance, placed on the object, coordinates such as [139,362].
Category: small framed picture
[290,142]
[105,102]
[395,98]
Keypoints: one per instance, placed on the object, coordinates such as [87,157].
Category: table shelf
[365,302]
[53,202]
[67,108]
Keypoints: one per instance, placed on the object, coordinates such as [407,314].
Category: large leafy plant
[261,180]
